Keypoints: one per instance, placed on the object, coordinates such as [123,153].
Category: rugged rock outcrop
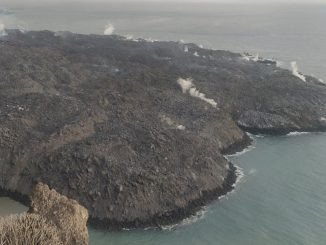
[67,215]
[52,219]
[104,120]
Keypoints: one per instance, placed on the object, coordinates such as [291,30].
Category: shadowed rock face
[104,121]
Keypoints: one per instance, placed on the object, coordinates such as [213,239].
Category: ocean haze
[18,2]
[126,3]
[278,31]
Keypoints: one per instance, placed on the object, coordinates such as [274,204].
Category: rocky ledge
[135,130]
[53,219]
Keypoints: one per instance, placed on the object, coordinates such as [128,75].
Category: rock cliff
[52,219]
[65,214]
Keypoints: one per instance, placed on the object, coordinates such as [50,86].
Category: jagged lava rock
[104,121]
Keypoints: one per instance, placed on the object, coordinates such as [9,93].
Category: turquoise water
[281,199]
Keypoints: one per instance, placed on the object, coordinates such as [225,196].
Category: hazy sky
[174,1]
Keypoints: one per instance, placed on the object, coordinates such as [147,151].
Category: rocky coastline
[157,222]
[136,131]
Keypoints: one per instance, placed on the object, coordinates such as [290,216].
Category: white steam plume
[8,20]
[249,57]
[185,84]
[188,86]
[129,37]
[181,127]
[322,81]
[151,40]
[295,71]
[170,122]
[256,58]
[109,29]
[2,30]
[279,63]
[246,58]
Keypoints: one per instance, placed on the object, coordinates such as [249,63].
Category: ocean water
[8,207]
[281,197]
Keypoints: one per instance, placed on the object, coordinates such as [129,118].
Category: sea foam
[247,149]
[240,174]
[244,151]
[188,221]
[295,133]
[295,71]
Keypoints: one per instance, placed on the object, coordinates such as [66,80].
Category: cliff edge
[52,219]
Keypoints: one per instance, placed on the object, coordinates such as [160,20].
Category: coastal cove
[280,199]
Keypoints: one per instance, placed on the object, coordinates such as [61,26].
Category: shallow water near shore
[281,199]
[8,207]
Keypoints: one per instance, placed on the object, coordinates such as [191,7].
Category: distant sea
[281,196]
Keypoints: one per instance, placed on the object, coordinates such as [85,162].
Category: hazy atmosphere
[17,2]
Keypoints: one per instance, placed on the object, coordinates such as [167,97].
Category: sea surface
[281,194]
[8,207]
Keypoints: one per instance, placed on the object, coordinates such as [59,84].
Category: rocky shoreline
[135,131]
[178,215]
[192,208]
[171,218]
[175,216]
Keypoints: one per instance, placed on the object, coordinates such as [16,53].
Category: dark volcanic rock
[257,122]
[103,120]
